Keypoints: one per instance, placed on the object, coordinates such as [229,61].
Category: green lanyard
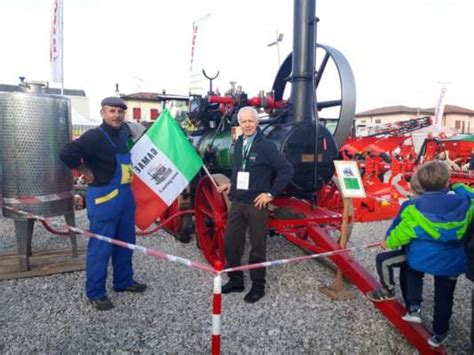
[245,153]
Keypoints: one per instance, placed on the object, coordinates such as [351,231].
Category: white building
[454,117]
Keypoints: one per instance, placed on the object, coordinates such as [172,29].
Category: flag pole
[210,176]
[62,48]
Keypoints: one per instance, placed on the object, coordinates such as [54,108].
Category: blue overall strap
[108,138]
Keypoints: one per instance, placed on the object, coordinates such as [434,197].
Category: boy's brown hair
[415,186]
[433,175]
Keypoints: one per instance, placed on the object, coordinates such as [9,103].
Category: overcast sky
[399,50]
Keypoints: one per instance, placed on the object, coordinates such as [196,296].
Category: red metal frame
[314,229]
[308,233]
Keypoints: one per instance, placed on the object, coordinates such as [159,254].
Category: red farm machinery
[387,157]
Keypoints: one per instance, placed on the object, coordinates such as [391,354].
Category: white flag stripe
[157,171]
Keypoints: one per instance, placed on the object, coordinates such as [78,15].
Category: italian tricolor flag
[164,163]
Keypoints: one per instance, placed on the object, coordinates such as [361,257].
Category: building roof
[391,110]
[53,91]
[458,110]
[141,96]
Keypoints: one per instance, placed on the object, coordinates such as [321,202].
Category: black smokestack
[302,100]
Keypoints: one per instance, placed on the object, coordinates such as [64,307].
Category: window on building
[154,114]
[378,120]
[137,113]
[457,124]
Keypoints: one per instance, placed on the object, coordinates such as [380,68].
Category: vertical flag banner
[164,163]
[439,111]
[56,43]
[199,48]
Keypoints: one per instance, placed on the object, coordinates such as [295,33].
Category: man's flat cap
[114,101]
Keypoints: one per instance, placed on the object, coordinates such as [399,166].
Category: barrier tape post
[216,310]
[336,291]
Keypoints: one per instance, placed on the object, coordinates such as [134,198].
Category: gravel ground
[50,314]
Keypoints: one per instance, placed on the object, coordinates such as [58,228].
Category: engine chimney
[303,96]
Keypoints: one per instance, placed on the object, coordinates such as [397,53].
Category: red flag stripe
[149,205]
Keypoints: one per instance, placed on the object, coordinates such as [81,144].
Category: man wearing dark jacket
[101,155]
[259,173]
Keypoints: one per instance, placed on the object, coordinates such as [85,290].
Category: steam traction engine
[309,133]
[291,125]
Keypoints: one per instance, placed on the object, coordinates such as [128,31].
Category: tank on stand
[35,126]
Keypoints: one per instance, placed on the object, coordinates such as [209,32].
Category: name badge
[243,178]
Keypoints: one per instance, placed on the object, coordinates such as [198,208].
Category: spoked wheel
[173,225]
[211,216]
[180,226]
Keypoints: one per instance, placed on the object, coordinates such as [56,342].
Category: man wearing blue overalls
[101,155]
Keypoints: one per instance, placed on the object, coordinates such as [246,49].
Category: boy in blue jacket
[469,248]
[431,228]
[387,261]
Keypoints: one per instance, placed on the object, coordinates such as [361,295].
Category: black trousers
[241,217]
[443,299]
[472,317]
[385,263]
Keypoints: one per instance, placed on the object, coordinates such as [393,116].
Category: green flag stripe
[171,140]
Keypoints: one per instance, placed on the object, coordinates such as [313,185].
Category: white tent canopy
[80,120]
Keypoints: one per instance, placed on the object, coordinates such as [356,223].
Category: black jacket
[469,247]
[265,165]
[95,151]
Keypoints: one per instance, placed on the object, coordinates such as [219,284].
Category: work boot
[254,294]
[232,286]
[135,287]
[102,304]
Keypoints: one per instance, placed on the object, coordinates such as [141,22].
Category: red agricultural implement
[386,157]
[456,150]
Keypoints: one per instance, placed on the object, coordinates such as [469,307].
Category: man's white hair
[250,109]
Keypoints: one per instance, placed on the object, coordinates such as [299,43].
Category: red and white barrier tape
[147,251]
[217,289]
[190,263]
[31,200]
[299,258]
